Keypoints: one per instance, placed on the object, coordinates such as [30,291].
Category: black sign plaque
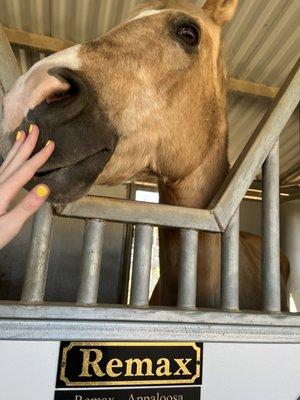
[172,393]
[129,370]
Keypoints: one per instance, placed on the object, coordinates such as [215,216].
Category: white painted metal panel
[231,371]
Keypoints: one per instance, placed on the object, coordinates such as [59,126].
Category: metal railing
[34,319]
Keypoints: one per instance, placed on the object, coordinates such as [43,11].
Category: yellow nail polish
[30,128]
[18,135]
[42,191]
[47,144]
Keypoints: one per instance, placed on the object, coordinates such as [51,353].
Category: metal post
[270,233]
[141,268]
[9,70]
[187,279]
[91,262]
[230,265]
[37,262]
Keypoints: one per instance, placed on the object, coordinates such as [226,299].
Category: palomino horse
[147,97]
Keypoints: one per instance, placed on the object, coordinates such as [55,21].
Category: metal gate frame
[33,319]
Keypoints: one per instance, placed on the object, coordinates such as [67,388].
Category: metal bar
[91,262]
[187,279]
[141,267]
[230,265]
[145,213]
[70,311]
[257,149]
[26,329]
[126,268]
[9,70]
[270,233]
[37,262]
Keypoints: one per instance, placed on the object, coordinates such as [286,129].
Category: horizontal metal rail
[117,210]
[61,322]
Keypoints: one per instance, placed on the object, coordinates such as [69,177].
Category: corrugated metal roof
[264,38]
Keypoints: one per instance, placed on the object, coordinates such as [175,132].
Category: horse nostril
[69,99]
[72,85]
[59,96]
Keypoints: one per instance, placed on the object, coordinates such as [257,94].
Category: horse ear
[220,11]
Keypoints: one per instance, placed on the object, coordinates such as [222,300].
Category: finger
[22,154]
[14,220]
[20,137]
[11,186]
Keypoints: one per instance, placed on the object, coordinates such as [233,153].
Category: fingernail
[18,135]
[49,142]
[42,191]
[30,128]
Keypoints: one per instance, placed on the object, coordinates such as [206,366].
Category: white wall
[231,371]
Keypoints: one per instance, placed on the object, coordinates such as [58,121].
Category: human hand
[16,170]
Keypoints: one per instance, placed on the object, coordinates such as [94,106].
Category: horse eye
[189,34]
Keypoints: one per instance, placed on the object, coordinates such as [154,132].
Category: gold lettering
[139,367]
[87,363]
[113,363]
[164,370]
[182,364]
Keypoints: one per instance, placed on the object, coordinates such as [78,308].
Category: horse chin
[69,183]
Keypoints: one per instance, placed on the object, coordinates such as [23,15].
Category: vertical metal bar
[141,267]
[270,233]
[230,264]
[188,261]
[91,262]
[9,70]
[38,257]
[129,232]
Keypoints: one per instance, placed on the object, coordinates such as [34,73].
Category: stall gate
[33,319]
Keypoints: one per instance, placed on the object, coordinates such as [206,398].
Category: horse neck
[195,190]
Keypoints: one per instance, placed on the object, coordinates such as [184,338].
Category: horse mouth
[51,172]
[71,182]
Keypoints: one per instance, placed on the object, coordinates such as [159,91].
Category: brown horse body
[149,96]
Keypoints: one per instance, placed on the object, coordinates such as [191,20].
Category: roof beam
[45,43]
[252,88]
[50,44]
